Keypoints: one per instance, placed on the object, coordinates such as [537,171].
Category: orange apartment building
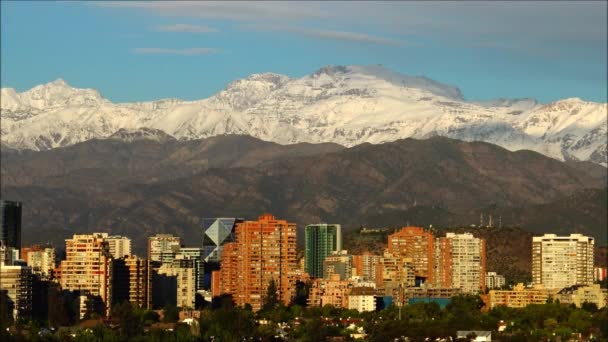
[264,250]
[364,266]
[418,245]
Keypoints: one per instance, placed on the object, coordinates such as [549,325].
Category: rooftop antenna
[490,222]
[481,220]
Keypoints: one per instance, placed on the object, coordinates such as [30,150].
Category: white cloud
[186,28]
[182,52]
[541,26]
[330,34]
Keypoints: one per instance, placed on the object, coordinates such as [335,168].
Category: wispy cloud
[529,25]
[332,34]
[185,28]
[182,52]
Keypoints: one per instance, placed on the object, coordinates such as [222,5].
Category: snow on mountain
[143,133]
[348,105]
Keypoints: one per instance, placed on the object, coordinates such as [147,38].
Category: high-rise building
[320,241]
[460,262]
[178,282]
[10,223]
[120,246]
[196,255]
[340,263]
[40,259]
[88,267]
[264,251]
[418,245]
[393,273]
[16,289]
[130,280]
[216,233]
[562,261]
[163,248]
[365,266]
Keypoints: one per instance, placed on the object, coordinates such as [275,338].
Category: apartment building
[88,267]
[418,245]
[40,259]
[460,262]
[264,250]
[119,246]
[562,261]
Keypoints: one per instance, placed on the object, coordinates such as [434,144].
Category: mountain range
[129,184]
[347,105]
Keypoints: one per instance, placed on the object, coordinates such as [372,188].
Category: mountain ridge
[143,187]
[348,105]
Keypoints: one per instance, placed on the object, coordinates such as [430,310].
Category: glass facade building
[10,223]
[320,241]
[216,233]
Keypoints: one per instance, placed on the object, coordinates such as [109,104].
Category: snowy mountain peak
[348,105]
[53,94]
[379,72]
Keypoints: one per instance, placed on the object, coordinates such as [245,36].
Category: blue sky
[137,51]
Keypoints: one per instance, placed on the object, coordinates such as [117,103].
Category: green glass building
[320,241]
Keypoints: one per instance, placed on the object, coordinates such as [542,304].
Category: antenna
[481,220]
[490,222]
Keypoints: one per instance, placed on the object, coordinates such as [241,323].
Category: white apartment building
[41,261]
[494,280]
[562,261]
[460,262]
[16,284]
[119,246]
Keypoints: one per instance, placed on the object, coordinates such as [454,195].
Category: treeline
[221,320]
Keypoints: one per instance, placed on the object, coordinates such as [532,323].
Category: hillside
[103,185]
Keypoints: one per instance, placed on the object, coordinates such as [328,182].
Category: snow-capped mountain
[348,105]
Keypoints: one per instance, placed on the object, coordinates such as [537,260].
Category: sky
[141,51]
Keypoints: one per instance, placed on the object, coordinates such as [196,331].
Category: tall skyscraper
[460,262]
[88,267]
[562,261]
[320,241]
[418,245]
[119,246]
[264,250]
[216,233]
[10,223]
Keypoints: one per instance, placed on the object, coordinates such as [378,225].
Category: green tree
[170,314]
[271,299]
[130,323]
